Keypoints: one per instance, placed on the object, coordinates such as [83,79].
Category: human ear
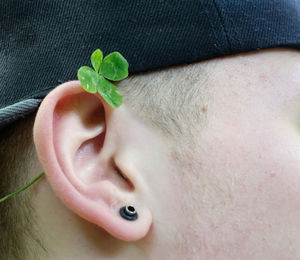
[77,140]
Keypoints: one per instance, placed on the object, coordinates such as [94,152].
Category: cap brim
[17,111]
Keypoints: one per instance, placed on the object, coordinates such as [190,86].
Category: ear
[77,141]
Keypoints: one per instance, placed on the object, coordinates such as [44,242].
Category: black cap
[44,42]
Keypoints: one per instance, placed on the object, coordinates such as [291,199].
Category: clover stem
[22,189]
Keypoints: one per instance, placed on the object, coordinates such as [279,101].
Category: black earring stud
[128,213]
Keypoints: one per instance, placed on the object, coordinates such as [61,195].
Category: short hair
[170,100]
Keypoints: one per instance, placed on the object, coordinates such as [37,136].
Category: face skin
[235,195]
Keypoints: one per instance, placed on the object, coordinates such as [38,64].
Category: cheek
[250,151]
[262,165]
[251,184]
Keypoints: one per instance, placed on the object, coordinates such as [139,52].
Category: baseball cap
[44,42]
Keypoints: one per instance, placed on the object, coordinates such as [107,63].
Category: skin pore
[227,187]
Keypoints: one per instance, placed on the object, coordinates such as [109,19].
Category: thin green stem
[24,188]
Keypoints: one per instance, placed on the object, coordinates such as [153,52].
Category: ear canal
[71,141]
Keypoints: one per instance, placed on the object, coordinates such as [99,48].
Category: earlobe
[70,135]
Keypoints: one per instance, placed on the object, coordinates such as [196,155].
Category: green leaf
[89,79]
[109,92]
[96,59]
[114,66]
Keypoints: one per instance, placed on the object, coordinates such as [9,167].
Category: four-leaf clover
[113,67]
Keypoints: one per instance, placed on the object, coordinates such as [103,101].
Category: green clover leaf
[113,67]
[109,92]
[96,59]
[89,79]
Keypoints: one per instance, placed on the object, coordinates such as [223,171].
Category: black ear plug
[128,213]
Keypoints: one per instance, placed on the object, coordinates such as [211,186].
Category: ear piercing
[129,213]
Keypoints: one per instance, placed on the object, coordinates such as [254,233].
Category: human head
[187,148]
[217,181]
